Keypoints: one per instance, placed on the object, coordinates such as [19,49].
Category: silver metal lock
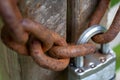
[97,66]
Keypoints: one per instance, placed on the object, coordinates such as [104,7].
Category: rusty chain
[28,37]
[96,18]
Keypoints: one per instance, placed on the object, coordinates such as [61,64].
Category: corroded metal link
[96,18]
[72,50]
[112,31]
[99,12]
[40,32]
[10,12]
[37,31]
[11,17]
[9,42]
[20,33]
[45,61]
[62,50]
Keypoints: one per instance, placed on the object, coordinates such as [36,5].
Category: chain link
[96,18]
[111,32]
[28,37]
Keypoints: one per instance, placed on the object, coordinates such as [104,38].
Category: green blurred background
[117,50]
[113,2]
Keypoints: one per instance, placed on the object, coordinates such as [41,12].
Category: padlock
[97,66]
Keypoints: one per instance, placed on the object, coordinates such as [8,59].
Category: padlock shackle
[85,37]
[90,32]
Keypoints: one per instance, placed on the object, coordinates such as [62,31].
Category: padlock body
[97,66]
